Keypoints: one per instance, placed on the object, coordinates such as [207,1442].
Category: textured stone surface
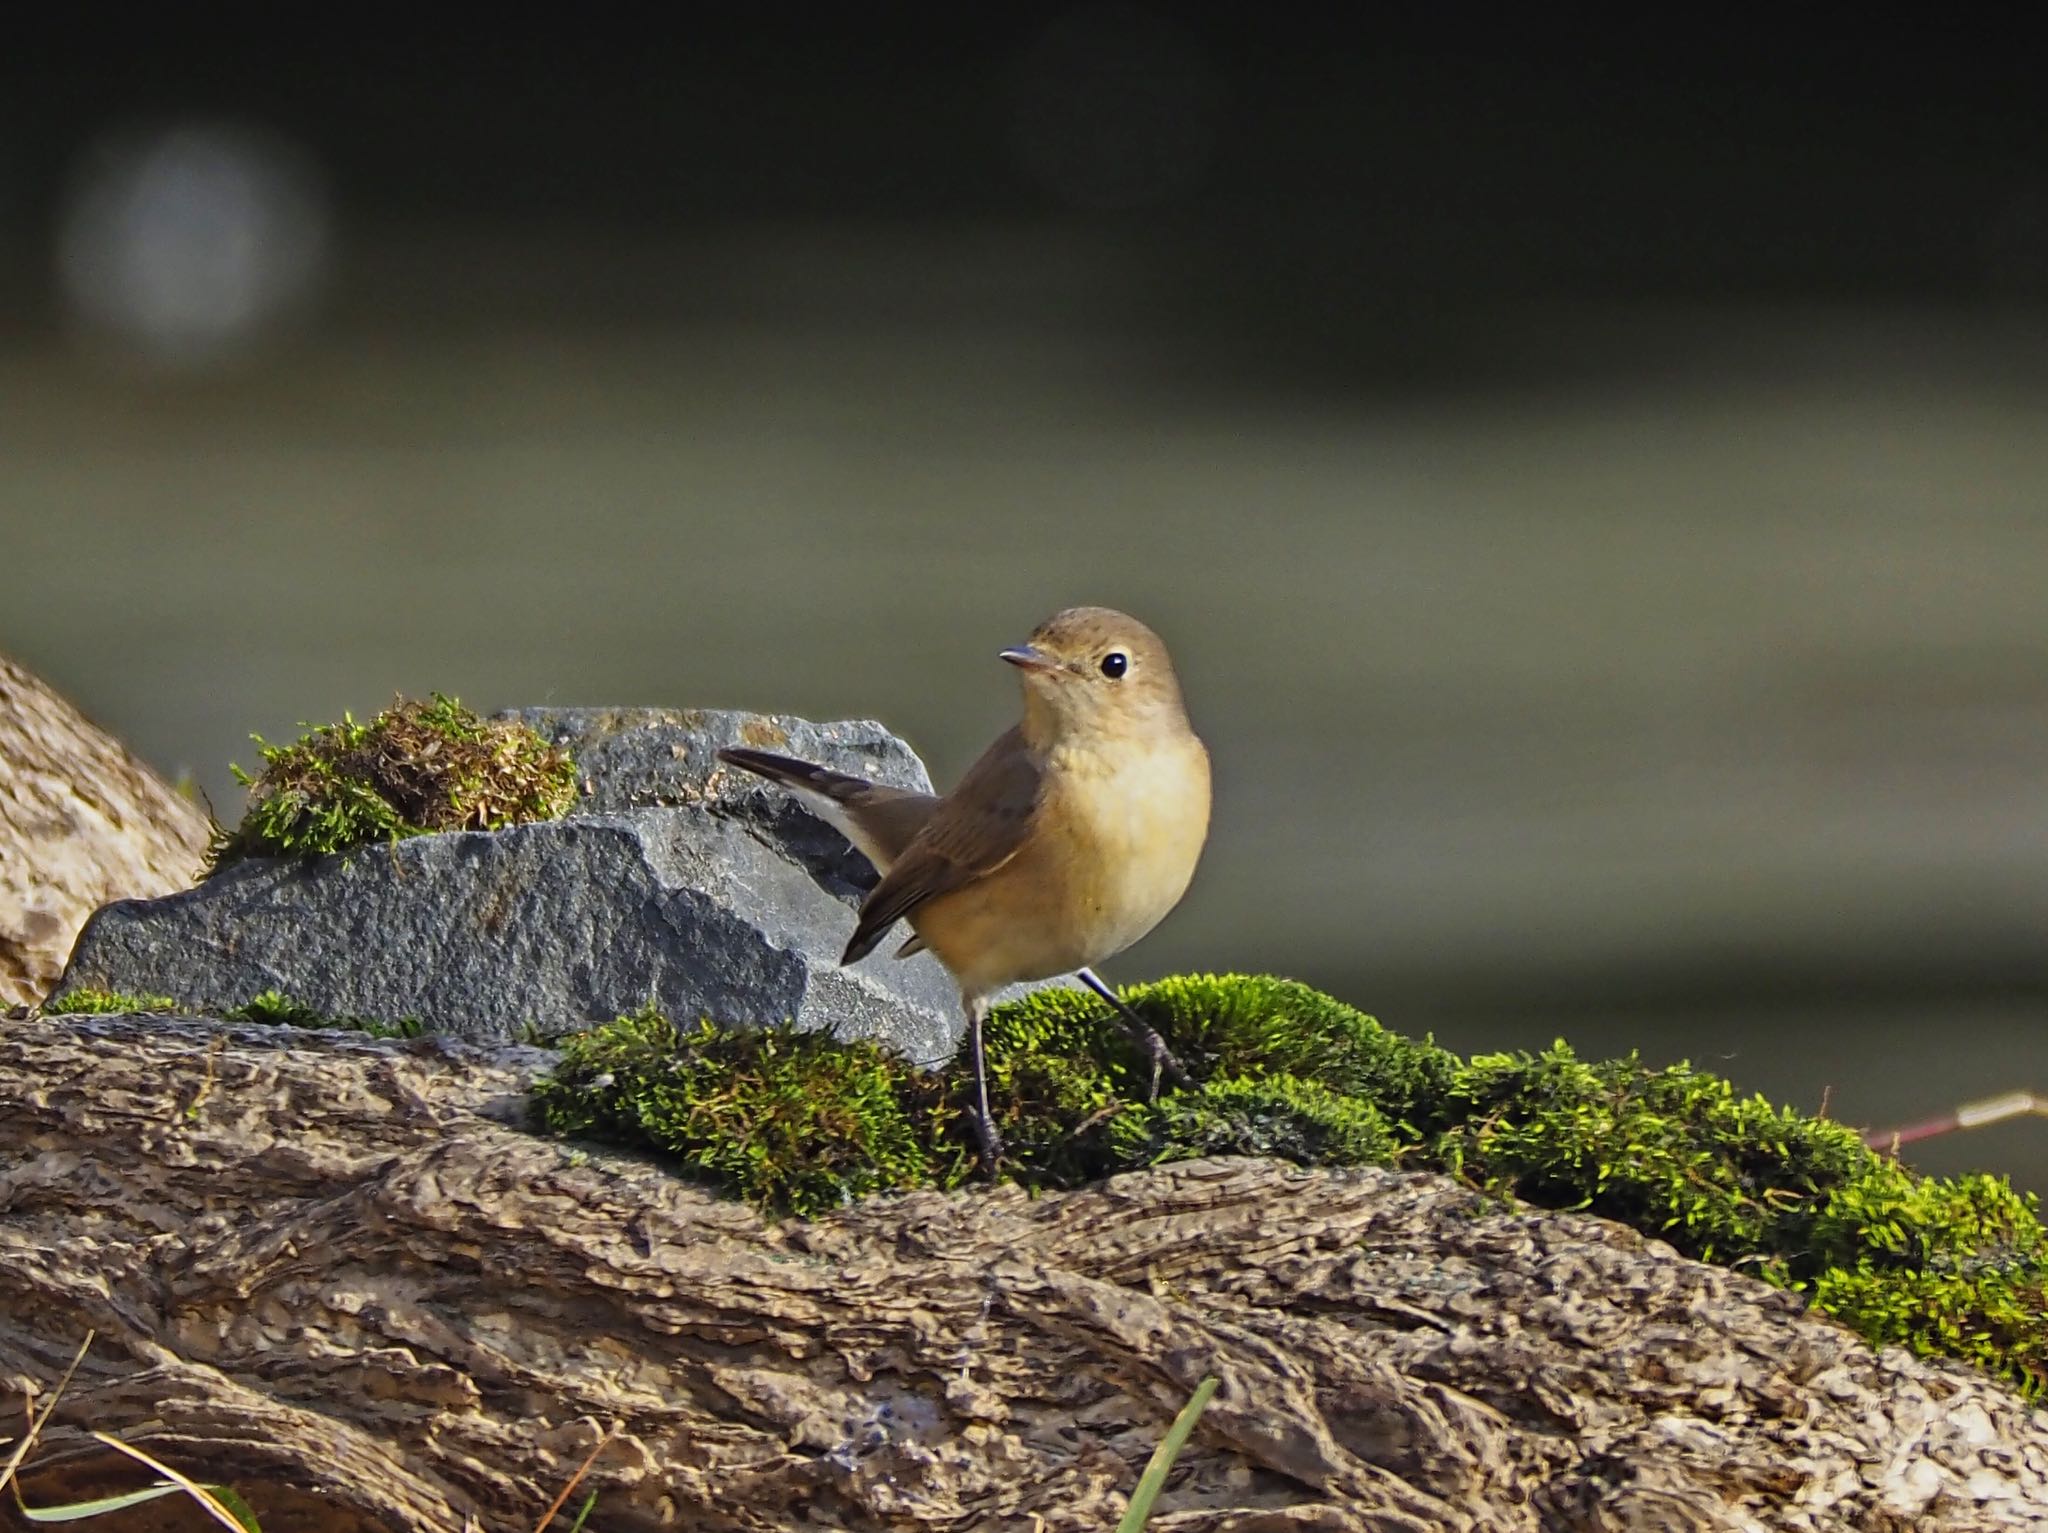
[81,822]
[329,1271]
[676,880]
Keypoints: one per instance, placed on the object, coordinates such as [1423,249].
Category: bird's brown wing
[977,828]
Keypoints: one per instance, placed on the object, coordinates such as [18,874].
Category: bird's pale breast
[1113,848]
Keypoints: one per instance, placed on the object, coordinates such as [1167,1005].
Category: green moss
[88,1001]
[1280,1115]
[1990,1317]
[786,1120]
[1065,1078]
[1951,1267]
[1229,1026]
[271,1007]
[1673,1152]
[417,767]
[276,1009]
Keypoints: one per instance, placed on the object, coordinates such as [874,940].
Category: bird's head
[1096,669]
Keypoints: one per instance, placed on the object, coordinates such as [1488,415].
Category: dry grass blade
[36,1420]
[575,1480]
[192,1488]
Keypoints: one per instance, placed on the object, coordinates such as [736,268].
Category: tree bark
[82,822]
[335,1272]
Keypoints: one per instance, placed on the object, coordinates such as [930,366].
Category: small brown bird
[1071,838]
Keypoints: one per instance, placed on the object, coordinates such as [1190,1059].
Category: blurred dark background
[1595,481]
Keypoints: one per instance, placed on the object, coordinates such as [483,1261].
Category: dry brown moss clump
[417,767]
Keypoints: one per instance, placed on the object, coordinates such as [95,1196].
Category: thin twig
[36,1421]
[576,1479]
[2012,1104]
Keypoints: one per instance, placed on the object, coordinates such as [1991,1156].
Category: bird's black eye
[1115,663]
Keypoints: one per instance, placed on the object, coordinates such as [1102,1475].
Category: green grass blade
[1154,1478]
[583,1513]
[79,1511]
[239,1509]
[236,1519]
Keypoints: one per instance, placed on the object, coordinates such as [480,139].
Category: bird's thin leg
[1141,1032]
[984,1122]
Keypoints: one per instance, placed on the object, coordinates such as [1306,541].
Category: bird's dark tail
[880,820]
[803,776]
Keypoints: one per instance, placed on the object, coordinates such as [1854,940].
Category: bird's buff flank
[1071,838]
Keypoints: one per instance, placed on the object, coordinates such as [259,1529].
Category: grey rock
[677,880]
[642,758]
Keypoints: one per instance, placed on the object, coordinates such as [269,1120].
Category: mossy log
[82,822]
[336,1273]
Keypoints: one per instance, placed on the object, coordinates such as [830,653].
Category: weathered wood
[82,822]
[335,1272]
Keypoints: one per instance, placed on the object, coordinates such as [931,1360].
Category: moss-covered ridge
[272,1008]
[799,1123]
[419,766]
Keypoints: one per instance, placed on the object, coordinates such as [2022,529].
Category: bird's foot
[1143,1034]
[1154,1048]
[990,1143]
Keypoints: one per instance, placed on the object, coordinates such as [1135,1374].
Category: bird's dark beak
[1025,658]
